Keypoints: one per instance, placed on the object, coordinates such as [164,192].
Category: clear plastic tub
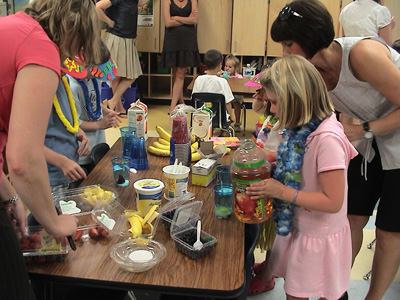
[183,231]
[80,202]
[167,211]
[40,247]
[114,218]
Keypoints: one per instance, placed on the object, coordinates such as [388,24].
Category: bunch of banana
[161,147]
[140,225]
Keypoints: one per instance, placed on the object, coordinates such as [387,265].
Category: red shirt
[22,42]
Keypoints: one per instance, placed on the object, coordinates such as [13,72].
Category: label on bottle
[244,205]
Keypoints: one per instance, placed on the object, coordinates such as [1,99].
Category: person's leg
[119,86]
[357,224]
[289,297]
[385,264]
[387,248]
[236,109]
[177,89]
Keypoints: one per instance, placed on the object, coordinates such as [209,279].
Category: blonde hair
[302,93]
[73,25]
[235,60]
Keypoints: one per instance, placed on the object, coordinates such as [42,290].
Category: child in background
[94,117]
[232,65]
[212,83]
[313,255]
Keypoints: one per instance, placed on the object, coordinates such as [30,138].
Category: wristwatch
[368,134]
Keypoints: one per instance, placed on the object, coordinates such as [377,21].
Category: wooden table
[238,86]
[219,274]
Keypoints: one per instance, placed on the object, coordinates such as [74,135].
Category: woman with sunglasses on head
[33,44]
[362,75]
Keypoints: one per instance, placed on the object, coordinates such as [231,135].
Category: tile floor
[158,115]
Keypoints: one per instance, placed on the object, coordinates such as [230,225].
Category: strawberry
[35,238]
[78,234]
[102,231]
[93,233]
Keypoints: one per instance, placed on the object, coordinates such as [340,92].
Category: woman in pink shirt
[33,43]
[312,249]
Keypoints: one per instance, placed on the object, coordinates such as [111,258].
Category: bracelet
[295,197]
[11,200]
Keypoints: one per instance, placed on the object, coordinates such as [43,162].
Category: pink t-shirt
[22,42]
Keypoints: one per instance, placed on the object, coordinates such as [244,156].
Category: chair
[97,153]
[243,117]
[369,246]
[217,105]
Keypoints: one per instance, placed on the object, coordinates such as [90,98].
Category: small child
[93,115]
[232,65]
[212,83]
[309,186]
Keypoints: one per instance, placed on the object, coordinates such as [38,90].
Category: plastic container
[138,255]
[80,202]
[183,231]
[40,247]
[113,217]
[167,211]
[250,165]
[148,193]
[175,183]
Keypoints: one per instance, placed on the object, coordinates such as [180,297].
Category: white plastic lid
[186,216]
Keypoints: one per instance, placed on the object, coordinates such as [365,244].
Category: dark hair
[313,30]
[396,45]
[104,53]
[213,58]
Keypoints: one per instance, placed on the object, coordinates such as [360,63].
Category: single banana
[136,226]
[192,138]
[163,133]
[163,142]
[160,146]
[158,152]
[149,213]
[196,156]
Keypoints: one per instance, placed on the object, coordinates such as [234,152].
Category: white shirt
[364,18]
[213,84]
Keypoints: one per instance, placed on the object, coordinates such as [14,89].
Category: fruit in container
[141,225]
[96,195]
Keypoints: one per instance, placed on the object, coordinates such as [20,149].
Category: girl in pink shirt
[312,249]
[231,70]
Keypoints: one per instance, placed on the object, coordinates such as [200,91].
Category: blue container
[127,98]
[106,91]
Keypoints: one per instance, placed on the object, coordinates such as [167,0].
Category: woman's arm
[193,17]
[386,34]
[100,7]
[168,20]
[330,200]
[382,74]
[25,157]
[16,209]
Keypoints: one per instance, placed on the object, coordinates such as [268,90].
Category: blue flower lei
[92,115]
[288,171]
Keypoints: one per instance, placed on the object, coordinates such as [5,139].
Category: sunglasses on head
[286,12]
